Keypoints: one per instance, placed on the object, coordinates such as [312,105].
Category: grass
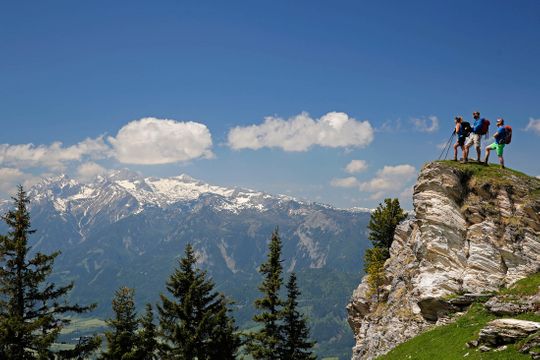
[492,172]
[526,287]
[84,324]
[449,341]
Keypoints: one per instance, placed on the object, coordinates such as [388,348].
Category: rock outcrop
[506,331]
[475,230]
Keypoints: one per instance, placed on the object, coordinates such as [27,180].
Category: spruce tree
[225,338]
[374,260]
[296,344]
[32,309]
[122,339]
[383,222]
[382,226]
[190,323]
[147,342]
[263,343]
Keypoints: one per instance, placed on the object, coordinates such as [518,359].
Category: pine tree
[296,344]
[225,339]
[190,323]
[383,222]
[147,343]
[122,340]
[263,343]
[382,226]
[32,309]
[374,259]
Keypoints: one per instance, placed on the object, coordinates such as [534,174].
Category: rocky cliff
[476,229]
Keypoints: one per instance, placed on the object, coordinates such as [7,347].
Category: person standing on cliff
[460,136]
[498,145]
[475,138]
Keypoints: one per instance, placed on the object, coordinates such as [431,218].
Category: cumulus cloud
[407,193]
[429,124]
[388,180]
[299,133]
[356,166]
[90,170]
[347,182]
[53,156]
[390,126]
[152,141]
[534,126]
[12,177]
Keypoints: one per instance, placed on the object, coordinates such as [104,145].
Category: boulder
[512,305]
[506,331]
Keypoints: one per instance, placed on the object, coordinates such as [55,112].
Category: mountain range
[123,229]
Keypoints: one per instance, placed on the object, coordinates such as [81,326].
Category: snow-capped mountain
[161,192]
[125,229]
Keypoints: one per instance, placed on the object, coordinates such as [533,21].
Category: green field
[449,342]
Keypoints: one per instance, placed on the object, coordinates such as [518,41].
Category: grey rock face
[505,305]
[506,331]
[470,235]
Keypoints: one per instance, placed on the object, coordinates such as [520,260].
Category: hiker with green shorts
[498,145]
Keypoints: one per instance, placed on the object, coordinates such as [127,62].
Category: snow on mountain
[137,192]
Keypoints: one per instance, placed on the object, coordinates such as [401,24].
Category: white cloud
[53,156]
[407,193]
[356,166]
[347,182]
[11,178]
[429,124]
[534,126]
[390,179]
[90,170]
[299,133]
[390,126]
[152,141]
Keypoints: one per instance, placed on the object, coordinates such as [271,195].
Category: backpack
[465,129]
[508,134]
[482,128]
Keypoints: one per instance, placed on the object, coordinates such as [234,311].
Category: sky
[337,102]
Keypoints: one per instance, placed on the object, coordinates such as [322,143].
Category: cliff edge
[476,229]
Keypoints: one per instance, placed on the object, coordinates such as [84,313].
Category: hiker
[479,128]
[500,141]
[459,130]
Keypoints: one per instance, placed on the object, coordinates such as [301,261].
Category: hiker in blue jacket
[498,145]
[475,138]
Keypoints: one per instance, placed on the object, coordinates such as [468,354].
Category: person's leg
[500,148]
[455,150]
[468,144]
[478,152]
[488,149]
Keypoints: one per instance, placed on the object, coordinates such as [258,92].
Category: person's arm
[458,126]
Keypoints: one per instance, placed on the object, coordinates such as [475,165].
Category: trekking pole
[447,146]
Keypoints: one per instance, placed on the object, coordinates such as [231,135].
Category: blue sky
[378,82]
